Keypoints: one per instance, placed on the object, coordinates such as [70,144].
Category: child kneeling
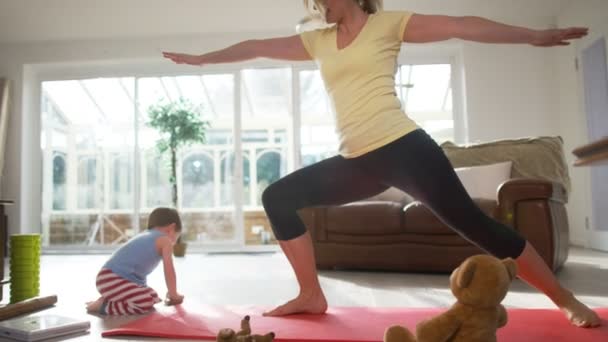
[122,280]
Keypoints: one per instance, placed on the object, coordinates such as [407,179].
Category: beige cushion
[392,194]
[537,158]
[483,181]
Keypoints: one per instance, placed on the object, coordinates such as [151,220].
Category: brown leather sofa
[404,235]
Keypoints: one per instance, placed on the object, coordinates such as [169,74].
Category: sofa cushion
[365,218]
[483,181]
[419,219]
[536,158]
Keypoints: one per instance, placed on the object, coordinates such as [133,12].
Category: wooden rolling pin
[27,306]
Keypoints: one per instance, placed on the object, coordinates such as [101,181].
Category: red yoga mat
[347,324]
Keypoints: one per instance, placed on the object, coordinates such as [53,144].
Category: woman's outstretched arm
[433,28]
[285,48]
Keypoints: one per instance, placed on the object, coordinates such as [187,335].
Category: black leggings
[413,163]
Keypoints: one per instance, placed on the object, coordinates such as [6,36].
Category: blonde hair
[316,13]
[316,8]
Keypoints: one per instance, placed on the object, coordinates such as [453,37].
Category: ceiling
[48,20]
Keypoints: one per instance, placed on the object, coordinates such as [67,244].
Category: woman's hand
[182,58]
[558,37]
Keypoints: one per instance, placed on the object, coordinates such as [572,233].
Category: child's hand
[174,299]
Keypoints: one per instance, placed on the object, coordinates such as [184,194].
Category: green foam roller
[25,267]
[28,293]
[26,247]
[24,275]
[25,252]
[23,272]
[26,288]
[25,237]
[25,294]
[15,282]
[24,244]
[21,248]
[19,281]
[25,261]
[23,258]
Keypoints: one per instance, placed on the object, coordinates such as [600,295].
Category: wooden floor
[266,280]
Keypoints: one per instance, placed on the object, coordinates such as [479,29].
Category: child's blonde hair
[161,217]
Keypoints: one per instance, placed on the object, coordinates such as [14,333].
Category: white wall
[39,20]
[509,91]
[570,110]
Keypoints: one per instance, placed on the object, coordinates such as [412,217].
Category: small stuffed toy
[229,335]
[479,285]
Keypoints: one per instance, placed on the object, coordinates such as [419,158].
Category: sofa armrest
[536,209]
[524,189]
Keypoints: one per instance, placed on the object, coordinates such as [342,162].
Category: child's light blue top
[137,258]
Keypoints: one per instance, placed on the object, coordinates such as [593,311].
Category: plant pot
[179,249]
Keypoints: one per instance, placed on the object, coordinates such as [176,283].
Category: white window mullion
[136,172]
[239,224]
[47,167]
[461,127]
[103,192]
[107,165]
[217,176]
[143,174]
[296,122]
[253,177]
[72,173]
[179,180]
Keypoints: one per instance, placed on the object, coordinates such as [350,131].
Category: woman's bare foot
[578,313]
[95,306]
[314,303]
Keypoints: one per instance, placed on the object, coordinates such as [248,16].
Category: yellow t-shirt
[360,81]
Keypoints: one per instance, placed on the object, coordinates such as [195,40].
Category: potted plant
[179,124]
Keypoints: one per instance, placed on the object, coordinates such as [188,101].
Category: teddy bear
[479,285]
[244,335]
